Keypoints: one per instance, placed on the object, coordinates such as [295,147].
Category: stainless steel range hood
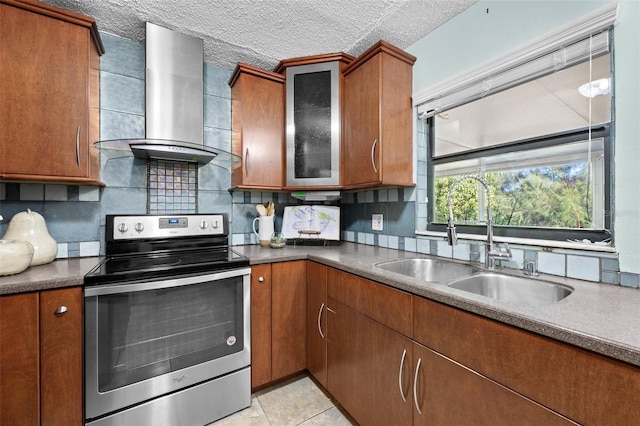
[174,101]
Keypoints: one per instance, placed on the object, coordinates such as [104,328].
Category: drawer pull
[246,162]
[260,279]
[404,355]
[373,159]
[60,310]
[415,387]
[78,146]
[319,318]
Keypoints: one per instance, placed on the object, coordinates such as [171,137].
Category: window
[538,133]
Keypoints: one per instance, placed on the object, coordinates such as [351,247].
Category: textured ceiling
[262,32]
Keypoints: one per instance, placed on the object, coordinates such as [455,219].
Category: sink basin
[512,289]
[431,270]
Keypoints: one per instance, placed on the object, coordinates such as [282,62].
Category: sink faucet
[491,252]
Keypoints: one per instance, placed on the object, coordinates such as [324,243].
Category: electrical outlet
[376,222]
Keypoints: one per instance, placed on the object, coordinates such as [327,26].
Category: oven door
[144,339]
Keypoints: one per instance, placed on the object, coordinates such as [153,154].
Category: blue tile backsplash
[75,215]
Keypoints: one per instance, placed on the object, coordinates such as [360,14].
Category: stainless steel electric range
[167,323]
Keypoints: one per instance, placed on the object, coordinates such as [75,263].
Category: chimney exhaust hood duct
[174,101]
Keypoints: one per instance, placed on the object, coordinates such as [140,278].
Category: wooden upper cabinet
[313,87]
[49,89]
[327,121]
[257,128]
[377,131]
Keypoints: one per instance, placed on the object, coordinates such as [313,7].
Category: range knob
[139,227]
[123,227]
[215,225]
[204,224]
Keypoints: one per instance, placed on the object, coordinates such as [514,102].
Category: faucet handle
[531,269]
[452,236]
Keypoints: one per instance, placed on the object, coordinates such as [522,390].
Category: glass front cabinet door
[313,125]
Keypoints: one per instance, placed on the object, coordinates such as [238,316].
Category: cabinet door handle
[60,310]
[319,318]
[260,279]
[404,355]
[246,162]
[373,151]
[415,387]
[78,146]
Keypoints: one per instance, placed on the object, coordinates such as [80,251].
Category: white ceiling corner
[261,33]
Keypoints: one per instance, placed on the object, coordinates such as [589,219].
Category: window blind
[501,79]
[554,49]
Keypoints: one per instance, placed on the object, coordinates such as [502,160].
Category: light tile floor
[297,401]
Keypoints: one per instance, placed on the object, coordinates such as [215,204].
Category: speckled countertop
[57,274]
[598,317]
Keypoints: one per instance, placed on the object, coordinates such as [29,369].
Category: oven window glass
[149,333]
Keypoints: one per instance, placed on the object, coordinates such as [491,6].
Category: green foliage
[556,197]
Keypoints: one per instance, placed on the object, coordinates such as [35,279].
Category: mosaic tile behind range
[172,187]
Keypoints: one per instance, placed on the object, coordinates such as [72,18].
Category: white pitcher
[265,229]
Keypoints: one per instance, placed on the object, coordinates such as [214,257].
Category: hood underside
[160,149]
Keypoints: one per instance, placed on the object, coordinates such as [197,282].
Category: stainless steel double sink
[500,287]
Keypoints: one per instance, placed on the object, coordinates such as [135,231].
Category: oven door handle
[162,282]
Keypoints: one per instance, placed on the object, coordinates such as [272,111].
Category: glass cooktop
[167,264]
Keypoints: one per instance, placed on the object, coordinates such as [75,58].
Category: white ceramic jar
[30,226]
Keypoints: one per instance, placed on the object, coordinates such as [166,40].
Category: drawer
[377,301]
[586,387]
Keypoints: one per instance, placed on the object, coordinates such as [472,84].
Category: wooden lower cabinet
[348,353]
[288,319]
[41,374]
[371,372]
[61,364]
[392,358]
[19,360]
[379,371]
[366,370]
[448,393]
[260,325]
[278,308]
[316,314]
[583,386]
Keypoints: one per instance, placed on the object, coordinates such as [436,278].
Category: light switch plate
[376,222]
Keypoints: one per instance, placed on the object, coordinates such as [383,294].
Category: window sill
[551,244]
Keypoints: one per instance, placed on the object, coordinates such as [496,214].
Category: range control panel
[131,227]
